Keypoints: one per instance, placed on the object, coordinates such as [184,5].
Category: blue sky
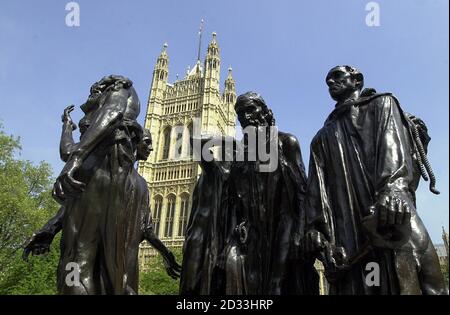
[282,49]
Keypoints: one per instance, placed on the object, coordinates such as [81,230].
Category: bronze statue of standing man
[265,208]
[360,202]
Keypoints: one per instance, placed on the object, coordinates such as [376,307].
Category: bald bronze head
[344,83]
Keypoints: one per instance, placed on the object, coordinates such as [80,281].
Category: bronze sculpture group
[252,232]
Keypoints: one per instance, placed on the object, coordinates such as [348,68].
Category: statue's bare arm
[67,144]
[106,119]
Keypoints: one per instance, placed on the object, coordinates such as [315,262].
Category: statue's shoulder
[382,102]
[369,95]
[385,97]
[288,139]
[317,139]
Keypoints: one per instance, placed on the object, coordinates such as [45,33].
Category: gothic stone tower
[170,171]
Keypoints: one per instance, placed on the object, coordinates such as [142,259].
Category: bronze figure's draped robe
[138,218]
[205,231]
[268,205]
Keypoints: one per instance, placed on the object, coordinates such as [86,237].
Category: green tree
[25,205]
[37,276]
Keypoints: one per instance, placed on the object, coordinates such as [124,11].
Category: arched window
[170,215]
[184,215]
[189,136]
[179,141]
[166,145]
[157,213]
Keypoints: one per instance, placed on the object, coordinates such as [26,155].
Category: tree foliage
[25,205]
[37,276]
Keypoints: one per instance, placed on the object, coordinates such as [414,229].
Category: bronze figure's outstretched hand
[173,269]
[65,117]
[38,244]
